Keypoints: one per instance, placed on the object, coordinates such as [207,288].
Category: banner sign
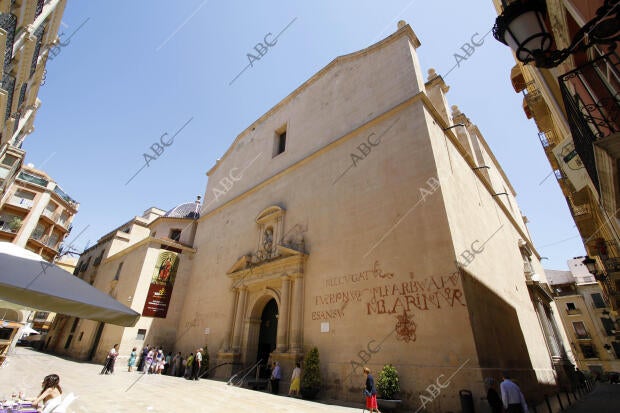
[162,281]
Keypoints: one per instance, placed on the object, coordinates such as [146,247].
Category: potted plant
[311,375]
[15,224]
[388,387]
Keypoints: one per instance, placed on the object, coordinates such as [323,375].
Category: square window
[141,334]
[175,235]
[608,325]
[588,350]
[580,330]
[598,301]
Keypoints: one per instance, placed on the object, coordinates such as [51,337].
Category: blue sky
[137,70]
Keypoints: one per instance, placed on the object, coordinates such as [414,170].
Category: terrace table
[25,407]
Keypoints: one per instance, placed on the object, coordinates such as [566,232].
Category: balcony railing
[25,176]
[574,311]
[612,264]
[48,213]
[6,227]
[39,236]
[21,202]
[8,22]
[577,210]
[592,103]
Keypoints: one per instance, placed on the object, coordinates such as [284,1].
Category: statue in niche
[268,240]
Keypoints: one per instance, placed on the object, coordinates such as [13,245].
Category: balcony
[577,210]
[574,311]
[49,214]
[33,179]
[40,237]
[23,203]
[592,106]
[6,227]
[612,265]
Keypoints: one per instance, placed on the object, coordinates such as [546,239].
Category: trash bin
[467,401]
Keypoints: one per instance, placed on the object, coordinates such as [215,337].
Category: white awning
[28,280]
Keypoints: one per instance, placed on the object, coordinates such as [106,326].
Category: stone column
[542,316]
[556,333]
[282,338]
[236,346]
[229,327]
[296,314]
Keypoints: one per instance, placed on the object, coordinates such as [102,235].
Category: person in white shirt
[197,364]
[108,367]
[512,397]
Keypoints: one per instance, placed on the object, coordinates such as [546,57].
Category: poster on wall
[162,281]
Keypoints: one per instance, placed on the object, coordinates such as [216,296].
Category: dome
[188,210]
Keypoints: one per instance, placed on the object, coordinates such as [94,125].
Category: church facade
[362,216]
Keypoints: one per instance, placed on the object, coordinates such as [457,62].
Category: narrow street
[605,398]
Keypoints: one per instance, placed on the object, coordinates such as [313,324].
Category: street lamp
[522,27]
[590,265]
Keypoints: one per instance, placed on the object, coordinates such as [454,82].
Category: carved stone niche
[270,228]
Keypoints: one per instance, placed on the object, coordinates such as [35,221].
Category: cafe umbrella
[28,280]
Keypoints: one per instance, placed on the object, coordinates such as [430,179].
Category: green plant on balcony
[15,224]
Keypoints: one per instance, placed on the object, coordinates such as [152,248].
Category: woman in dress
[132,359]
[50,395]
[160,361]
[295,381]
[370,392]
[148,365]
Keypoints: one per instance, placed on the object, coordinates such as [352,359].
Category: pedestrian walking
[108,367]
[160,361]
[295,381]
[150,357]
[276,376]
[132,359]
[512,397]
[188,366]
[175,364]
[197,364]
[142,361]
[180,365]
[495,402]
[370,392]
[168,365]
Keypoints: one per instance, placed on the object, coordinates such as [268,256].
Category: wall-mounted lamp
[590,265]
[454,126]
[522,27]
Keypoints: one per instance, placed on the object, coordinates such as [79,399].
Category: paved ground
[135,392]
[605,398]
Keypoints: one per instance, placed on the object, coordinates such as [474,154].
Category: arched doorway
[268,332]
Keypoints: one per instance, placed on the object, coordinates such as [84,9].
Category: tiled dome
[188,210]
